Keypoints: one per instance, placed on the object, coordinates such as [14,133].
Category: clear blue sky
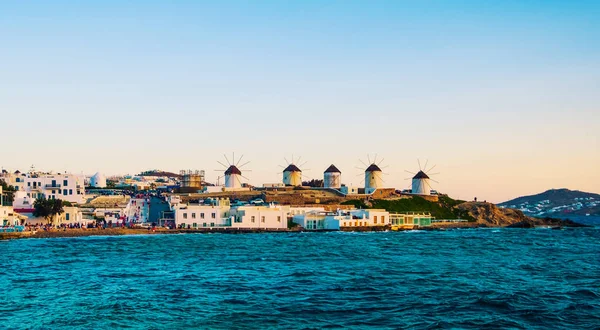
[503,95]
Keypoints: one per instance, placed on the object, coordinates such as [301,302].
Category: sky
[502,96]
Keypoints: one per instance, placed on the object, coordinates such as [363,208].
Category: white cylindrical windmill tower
[233,177]
[292,176]
[332,177]
[373,178]
[420,184]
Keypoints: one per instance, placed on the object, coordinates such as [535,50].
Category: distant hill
[557,203]
[160,173]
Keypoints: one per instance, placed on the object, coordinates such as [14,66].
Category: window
[194,215]
[70,191]
[344,223]
[53,183]
[237,219]
[202,215]
[278,218]
[54,191]
[213,215]
[204,224]
[66,182]
[185,215]
[212,224]
[65,192]
[195,225]
[252,219]
[28,184]
[67,216]
[375,219]
[262,219]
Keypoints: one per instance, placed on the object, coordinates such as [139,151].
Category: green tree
[47,208]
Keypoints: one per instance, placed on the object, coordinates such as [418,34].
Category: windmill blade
[238,180]
[302,164]
[360,160]
[381,161]
[418,161]
[233,158]
[281,166]
[427,183]
[246,163]
[375,159]
[227,159]
[434,180]
[298,160]
[358,168]
[434,173]
[410,172]
[222,164]
[431,168]
[286,161]
[245,177]
[239,160]
[426,161]
[408,178]
[386,166]
[369,158]
[360,174]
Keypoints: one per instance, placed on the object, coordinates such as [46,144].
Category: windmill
[420,181]
[373,173]
[233,174]
[332,177]
[292,174]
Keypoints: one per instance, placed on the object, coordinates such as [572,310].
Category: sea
[468,278]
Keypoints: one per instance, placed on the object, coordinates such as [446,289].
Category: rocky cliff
[489,215]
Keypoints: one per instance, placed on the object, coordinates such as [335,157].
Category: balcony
[53,186]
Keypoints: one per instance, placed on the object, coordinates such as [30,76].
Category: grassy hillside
[444,209]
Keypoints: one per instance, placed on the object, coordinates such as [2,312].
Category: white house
[67,187]
[259,217]
[203,216]
[8,217]
[316,220]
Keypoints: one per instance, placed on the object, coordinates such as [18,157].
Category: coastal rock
[489,215]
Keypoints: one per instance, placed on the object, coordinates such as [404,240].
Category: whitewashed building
[316,220]
[373,178]
[292,176]
[220,214]
[98,180]
[420,184]
[271,217]
[332,177]
[8,217]
[203,216]
[67,187]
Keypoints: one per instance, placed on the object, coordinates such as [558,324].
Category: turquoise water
[480,278]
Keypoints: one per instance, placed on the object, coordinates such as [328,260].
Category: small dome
[332,169]
[373,168]
[233,170]
[421,175]
[292,168]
